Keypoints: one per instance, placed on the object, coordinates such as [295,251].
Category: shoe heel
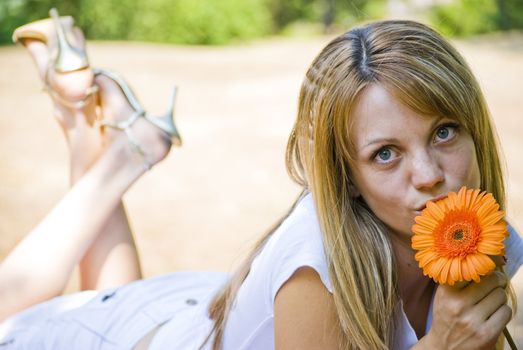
[68,58]
[166,122]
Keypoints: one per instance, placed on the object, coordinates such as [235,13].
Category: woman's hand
[470,317]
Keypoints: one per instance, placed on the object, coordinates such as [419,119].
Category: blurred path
[205,205]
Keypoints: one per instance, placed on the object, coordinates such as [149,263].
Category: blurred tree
[201,22]
[186,21]
[14,13]
[349,13]
[107,19]
[504,21]
[285,12]
[514,13]
[330,14]
[467,17]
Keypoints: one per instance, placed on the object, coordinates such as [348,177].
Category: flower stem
[510,341]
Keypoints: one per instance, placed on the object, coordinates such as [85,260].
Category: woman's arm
[305,315]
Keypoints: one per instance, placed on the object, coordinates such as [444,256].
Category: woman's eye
[446,132]
[384,155]
[443,133]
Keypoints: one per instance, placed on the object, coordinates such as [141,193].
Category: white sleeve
[298,244]
[303,255]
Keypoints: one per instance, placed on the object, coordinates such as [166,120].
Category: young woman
[390,117]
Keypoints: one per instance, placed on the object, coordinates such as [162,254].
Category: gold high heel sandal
[164,122]
[55,32]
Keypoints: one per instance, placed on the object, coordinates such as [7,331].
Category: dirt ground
[204,206]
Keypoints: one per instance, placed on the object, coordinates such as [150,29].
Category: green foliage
[286,12]
[467,17]
[14,13]
[11,16]
[176,21]
[106,19]
[293,16]
[200,22]
[349,12]
[512,14]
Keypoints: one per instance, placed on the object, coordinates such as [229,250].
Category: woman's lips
[435,199]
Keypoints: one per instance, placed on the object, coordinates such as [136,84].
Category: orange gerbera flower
[456,235]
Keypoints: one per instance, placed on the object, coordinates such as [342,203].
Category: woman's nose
[426,171]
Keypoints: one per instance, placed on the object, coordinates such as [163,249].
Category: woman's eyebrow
[380,140]
[436,122]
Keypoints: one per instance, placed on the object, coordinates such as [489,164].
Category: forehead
[379,115]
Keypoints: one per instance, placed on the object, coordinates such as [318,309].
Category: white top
[117,318]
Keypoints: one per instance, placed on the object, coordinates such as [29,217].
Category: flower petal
[482,263]
[422,242]
[433,269]
[435,210]
[445,272]
[426,221]
[470,269]
[420,230]
[455,271]
[425,257]
[454,201]
[492,218]
[490,248]
[487,206]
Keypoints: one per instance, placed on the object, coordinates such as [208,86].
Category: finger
[491,303]
[477,291]
[493,327]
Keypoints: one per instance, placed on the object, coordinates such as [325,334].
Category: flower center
[457,234]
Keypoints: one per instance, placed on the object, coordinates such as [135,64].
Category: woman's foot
[126,126]
[72,92]
[58,49]
[78,110]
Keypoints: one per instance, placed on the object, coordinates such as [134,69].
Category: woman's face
[404,159]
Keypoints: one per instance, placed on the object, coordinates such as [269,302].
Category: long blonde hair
[428,75]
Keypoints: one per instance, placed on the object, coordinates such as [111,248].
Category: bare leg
[112,258]
[41,264]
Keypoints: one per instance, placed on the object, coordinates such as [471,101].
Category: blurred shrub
[202,21]
[106,19]
[177,21]
[187,21]
[289,15]
[348,13]
[286,12]
[14,13]
[511,14]
[466,17]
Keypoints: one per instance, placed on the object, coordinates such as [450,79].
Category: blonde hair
[427,74]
